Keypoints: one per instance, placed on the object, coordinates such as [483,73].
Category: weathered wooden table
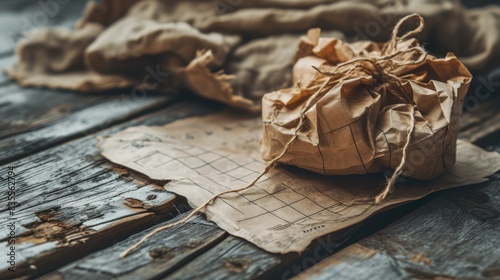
[75,211]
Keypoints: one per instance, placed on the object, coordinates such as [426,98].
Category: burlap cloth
[167,46]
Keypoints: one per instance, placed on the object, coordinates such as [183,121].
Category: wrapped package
[367,107]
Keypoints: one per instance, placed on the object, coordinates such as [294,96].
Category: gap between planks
[70,190]
[61,121]
[454,236]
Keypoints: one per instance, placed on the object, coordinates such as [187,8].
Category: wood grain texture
[32,120]
[235,259]
[454,236]
[5,61]
[35,119]
[25,109]
[71,201]
[159,256]
[484,133]
[20,16]
[481,122]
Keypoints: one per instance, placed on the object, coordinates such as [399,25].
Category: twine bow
[380,67]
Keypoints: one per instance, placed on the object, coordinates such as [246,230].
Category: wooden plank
[238,259]
[70,201]
[5,61]
[453,236]
[27,109]
[480,125]
[233,258]
[160,255]
[482,134]
[35,119]
[485,110]
[441,239]
[18,17]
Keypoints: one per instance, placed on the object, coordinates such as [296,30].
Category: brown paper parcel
[375,98]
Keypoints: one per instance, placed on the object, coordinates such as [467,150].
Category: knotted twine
[379,67]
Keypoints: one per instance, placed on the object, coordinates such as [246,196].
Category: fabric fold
[253,43]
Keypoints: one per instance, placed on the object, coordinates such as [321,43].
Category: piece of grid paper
[287,208]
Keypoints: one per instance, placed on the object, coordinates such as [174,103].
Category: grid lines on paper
[284,205]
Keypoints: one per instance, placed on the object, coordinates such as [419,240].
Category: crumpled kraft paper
[289,207]
[364,116]
[118,43]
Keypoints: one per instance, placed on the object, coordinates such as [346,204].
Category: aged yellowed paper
[289,207]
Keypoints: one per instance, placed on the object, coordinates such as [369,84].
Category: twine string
[393,43]
[378,66]
[392,180]
[268,168]
[381,67]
